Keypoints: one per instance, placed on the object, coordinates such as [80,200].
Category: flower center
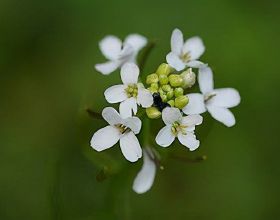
[209,96]
[132,90]
[177,128]
[122,128]
[186,57]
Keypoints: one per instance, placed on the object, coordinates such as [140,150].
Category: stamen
[207,97]
[122,128]
[132,90]
[186,57]
[178,128]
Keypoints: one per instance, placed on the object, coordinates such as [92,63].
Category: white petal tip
[145,178]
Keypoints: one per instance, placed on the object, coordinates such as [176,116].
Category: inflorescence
[163,94]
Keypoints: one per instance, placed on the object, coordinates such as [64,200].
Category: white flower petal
[196,64]
[189,140]
[136,41]
[144,98]
[129,73]
[115,94]
[190,128]
[177,42]
[195,47]
[222,115]
[133,123]
[192,120]
[165,137]
[205,80]
[196,104]
[226,97]
[128,107]
[145,178]
[105,138]
[107,68]
[171,115]
[174,60]
[130,147]
[127,54]
[111,116]
[110,46]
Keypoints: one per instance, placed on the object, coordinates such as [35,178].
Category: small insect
[159,103]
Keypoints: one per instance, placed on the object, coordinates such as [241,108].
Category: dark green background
[47,169]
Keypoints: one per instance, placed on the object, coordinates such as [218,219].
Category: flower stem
[145,134]
[187,159]
[94,114]
[145,54]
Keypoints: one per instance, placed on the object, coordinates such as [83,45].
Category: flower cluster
[164,94]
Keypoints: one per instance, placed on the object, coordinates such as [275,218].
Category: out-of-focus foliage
[47,169]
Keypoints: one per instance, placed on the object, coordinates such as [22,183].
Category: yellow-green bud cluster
[132,90]
[169,85]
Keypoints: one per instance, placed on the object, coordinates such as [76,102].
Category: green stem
[145,134]
[145,54]
[94,114]
[187,159]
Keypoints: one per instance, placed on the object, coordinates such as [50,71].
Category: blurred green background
[47,54]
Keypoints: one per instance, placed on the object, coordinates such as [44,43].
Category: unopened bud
[152,90]
[175,80]
[161,92]
[171,103]
[188,78]
[153,112]
[181,102]
[152,78]
[166,88]
[170,94]
[164,69]
[154,86]
[178,92]
[164,98]
[163,79]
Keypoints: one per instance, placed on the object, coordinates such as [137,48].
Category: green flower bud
[152,90]
[153,112]
[163,79]
[178,92]
[170,94]
[166,88]
[181,102]
[188,78]
[154,86]
[171,103]
[164,69]
[152,78]
[161,92]
[175,80]
[164,98]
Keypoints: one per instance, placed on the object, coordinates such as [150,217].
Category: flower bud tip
[181,102]
[164,69]
[175,80]
[153,112]
[188,78]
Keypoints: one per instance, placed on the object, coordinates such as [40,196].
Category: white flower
[185,54]
[145,178]
[130,93]
[180,127]
[119,129]
[119,53]
[215,101]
